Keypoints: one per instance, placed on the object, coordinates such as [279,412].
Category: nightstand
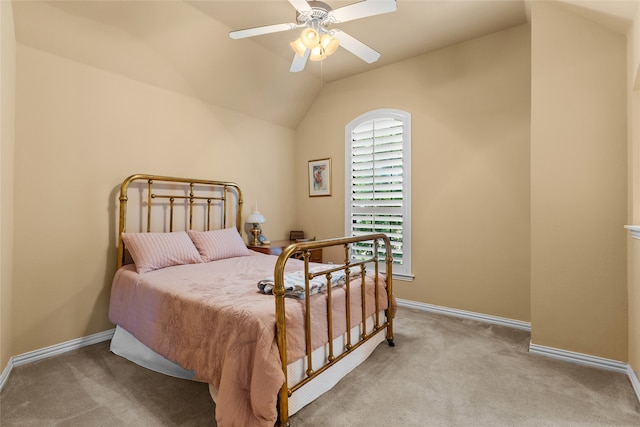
[276,247]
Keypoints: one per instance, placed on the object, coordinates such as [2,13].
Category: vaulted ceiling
[184,46]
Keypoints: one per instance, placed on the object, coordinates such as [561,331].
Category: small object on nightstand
[263,240]
[295,235]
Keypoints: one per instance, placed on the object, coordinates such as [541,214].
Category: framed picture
[320,177]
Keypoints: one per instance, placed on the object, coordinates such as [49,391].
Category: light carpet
[443,371]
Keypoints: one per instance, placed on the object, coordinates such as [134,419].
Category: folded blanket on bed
[294,282]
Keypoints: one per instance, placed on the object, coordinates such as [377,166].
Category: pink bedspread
[211,319]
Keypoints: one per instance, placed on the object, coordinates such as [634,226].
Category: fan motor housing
[319,12]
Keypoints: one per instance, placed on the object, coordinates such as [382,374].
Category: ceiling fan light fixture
[317,54]
[329,44]
[298,47]
[310,38]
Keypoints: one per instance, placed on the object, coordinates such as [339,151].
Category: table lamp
[256,218]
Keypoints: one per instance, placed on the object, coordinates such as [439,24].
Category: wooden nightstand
[276,247]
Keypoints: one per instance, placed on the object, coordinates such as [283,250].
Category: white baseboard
[53,350]
[588,360]
[568,356]
[496,320]
[579,358]
[633,377]
[5,373]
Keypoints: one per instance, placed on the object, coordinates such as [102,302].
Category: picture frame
[320,177]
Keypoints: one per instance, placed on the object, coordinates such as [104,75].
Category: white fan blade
[258,31]
[363,10]
[301,6]
[355,46]
[299,61]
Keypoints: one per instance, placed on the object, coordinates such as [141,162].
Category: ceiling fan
[318,40]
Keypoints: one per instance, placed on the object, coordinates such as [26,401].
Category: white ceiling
[184,45]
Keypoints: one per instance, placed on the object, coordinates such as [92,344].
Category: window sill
[404,277]
[634,229]
[398,276]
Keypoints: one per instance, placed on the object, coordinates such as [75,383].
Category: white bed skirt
[329,378]
[126,345]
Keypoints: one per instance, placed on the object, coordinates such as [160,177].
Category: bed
[268,334]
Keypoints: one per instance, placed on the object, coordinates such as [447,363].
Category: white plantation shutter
[378,154]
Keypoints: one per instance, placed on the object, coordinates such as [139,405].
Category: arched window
[378,183]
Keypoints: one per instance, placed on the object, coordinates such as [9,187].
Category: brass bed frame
[198,196]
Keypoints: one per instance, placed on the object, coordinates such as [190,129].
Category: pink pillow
[219,244]
[152,251]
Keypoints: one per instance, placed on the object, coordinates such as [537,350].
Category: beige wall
[578,184]
[80,130]
[633,256]
[7,140]
[470,168]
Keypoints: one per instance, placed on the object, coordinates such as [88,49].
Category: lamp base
[256,232]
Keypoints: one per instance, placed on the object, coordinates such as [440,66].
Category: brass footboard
[348,267]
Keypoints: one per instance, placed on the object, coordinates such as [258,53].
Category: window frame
[403,271]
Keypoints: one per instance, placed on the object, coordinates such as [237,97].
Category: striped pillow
[153,251]
[219,244]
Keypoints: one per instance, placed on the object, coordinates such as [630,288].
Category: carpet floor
[443,371]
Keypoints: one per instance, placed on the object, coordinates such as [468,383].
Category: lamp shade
[326,47]
[317,54]
[310,38]
[298,47]
[256,218]
[329,44]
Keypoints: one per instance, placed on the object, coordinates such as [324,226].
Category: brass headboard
[179,204]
